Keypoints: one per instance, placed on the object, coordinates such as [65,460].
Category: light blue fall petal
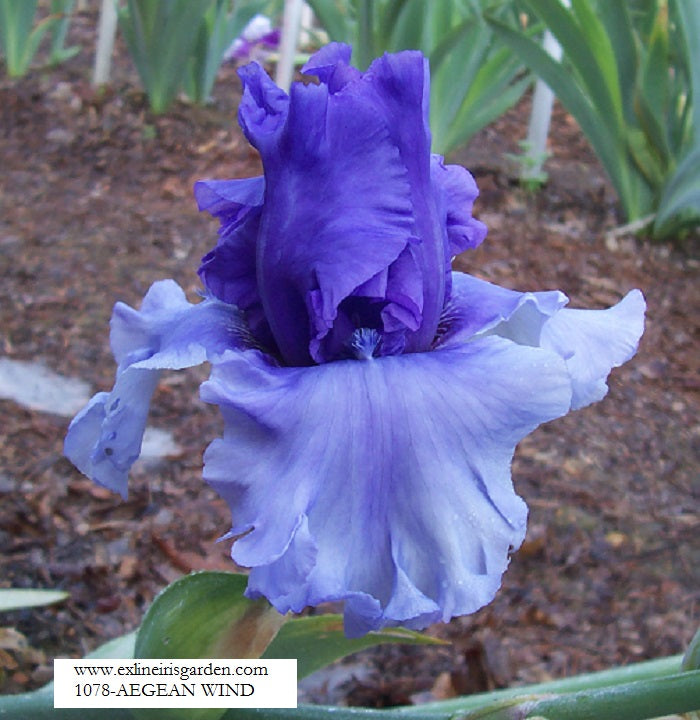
[384,483]
[593,342]
[477,307]
[104,439]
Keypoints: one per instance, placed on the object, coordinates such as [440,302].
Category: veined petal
[383,483]
[104,439]
[170,332]
[593,342]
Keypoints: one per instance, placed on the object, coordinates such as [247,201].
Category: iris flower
[372,398]
[257,40]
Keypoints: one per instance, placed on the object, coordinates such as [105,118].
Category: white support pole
[288,43]
[107,30]
[540,115]
[307,23]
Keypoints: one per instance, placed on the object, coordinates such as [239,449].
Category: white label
[215,683]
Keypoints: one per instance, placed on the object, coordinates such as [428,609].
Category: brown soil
[96,204]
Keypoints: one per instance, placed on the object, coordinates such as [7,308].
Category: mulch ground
[96,203]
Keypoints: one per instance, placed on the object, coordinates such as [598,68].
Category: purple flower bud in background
[256,42]
[372,398]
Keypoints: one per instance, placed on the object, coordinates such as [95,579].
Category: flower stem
[639,700]
[650,669]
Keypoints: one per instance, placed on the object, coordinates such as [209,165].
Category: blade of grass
[679,206]
[578,41]
[689,26]
[616,18]
[596,39]
[454,64]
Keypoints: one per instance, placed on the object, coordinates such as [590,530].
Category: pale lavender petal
[104,439]
[384,483]
[477,307]
[593,342]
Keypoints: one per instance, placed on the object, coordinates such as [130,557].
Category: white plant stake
[105,42]
[540,115]
[307,23]
[289,42]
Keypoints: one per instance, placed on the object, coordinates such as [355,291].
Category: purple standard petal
[229,270]
[353,227]
[348,200]
[458,191]
[331,65]
[592,342]
[263,109]
[104,439]
[383,483]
